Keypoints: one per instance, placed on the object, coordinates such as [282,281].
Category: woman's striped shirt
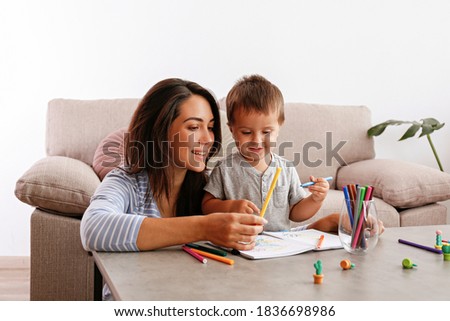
[118,207]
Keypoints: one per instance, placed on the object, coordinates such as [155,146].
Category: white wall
[393,56]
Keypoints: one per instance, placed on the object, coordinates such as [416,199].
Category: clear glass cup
[358,226]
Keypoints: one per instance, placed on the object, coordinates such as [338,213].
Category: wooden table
[171,274]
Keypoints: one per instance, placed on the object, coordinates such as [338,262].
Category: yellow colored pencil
[269,194]
[214,257]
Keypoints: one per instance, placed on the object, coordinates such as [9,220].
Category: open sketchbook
[278,244]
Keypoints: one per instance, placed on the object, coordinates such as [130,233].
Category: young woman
[155,200]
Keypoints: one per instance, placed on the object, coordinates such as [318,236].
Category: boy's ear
[231,129]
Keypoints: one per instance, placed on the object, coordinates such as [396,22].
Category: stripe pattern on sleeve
[118,207]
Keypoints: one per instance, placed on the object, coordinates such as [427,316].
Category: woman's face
[191,134]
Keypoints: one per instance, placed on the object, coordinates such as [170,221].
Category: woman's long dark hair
[147,146]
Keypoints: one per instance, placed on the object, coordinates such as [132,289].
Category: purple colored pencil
[423,247]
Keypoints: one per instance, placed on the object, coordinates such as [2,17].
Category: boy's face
[255,133]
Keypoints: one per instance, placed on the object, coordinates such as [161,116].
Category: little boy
[240,182]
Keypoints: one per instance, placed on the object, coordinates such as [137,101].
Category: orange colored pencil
[214,257]
[320,241]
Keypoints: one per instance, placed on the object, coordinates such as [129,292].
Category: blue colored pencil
[312,183]
[349,205]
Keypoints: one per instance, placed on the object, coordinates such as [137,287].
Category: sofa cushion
[58,184]
[401,184]
[420,215]
[109,153]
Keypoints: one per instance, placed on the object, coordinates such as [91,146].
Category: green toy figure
[438,239]
[446,252]
[347,265]
[318,277]
[408,264]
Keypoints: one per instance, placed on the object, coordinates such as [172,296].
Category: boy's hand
[243,206]
[320,189]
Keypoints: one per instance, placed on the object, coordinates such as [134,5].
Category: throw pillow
[109,153]
[57,183]
[398,183]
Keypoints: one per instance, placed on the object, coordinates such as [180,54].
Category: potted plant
[428,126]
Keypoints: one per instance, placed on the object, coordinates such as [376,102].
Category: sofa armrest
[399,183]
[59,184]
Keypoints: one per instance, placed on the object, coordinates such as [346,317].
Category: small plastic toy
[438,240]
[446,252]
[408,264]
[318,277]
[347,265]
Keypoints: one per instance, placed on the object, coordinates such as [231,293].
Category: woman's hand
[233,230]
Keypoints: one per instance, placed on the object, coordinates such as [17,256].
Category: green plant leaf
[431,121]
[379,129]
[411,131]
[429,125]
[426,130]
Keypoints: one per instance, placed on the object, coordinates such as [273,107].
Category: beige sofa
[322,140]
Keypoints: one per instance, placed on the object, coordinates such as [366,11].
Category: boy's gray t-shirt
[234,178]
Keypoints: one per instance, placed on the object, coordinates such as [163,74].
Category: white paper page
[270,247]
[310,237]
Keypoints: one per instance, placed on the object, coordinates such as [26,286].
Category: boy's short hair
[255,93]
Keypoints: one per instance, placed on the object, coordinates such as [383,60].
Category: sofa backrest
[76,127]
[317,138]
[321,138]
